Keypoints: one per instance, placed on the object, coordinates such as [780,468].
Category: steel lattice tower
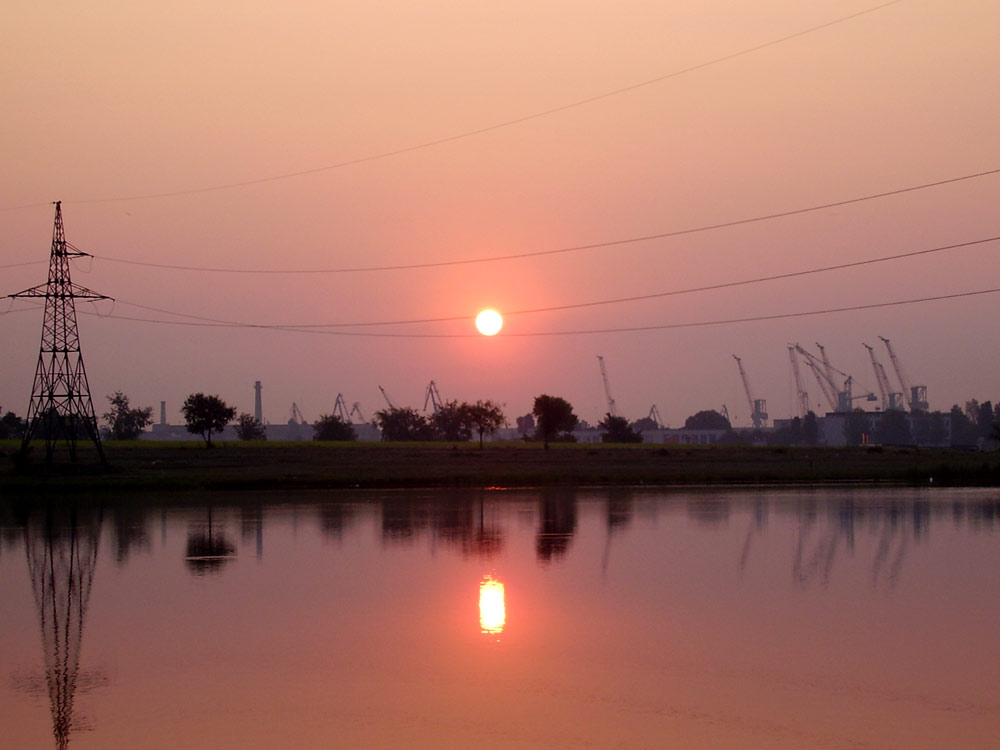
[61,407]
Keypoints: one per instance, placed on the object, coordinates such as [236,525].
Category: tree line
[551,420]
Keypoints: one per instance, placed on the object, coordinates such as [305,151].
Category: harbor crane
[612,410]
[386,397]
[758,406]
[801,396]
[295,415]
[432,397]
[840,399]
[917,394]
[890,399]
[356,409]
[654,414]
[340,409]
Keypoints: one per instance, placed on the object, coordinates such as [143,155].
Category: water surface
[493,619]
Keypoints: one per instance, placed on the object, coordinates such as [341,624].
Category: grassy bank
[174,465]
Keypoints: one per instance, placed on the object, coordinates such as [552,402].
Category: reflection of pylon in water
[61,561]
[60,406]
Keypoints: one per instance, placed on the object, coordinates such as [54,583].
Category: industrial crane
[607,388]
[340,409]
[890,399]
[916,393]
[432,397]
[801,396]
[758,406]
[356,409]
[840,400]
[295,415]
[386,397]
[654,414]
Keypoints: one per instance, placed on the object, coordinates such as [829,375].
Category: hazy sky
[106,103]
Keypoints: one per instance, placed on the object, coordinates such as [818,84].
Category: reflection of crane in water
[618,518]
[757,524]
[61,559]
[820,561]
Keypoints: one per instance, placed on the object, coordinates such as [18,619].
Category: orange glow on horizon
[492,609]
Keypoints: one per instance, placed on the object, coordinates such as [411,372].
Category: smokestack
[163,412]
[257,413]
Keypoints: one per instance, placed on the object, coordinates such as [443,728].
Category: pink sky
[112,102]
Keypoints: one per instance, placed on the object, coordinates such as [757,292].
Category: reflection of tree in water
[334,518]
[619,516]
[208,549]
[61,550]
[455,519]
[128,521]
[557,525]
[252,526]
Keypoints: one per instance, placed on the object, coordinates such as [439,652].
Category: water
[531,619]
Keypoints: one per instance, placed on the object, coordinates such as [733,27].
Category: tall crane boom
[917,394]
[356,409]
[612,410]
[758,406]
[386,397]
[340,409]
[432,397]
[890,399]
[654,414]
[801,396]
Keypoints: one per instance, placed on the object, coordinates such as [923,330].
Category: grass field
[267,465]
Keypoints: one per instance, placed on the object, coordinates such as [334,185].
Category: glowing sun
[489,322]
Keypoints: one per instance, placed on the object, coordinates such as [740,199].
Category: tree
[856,427]
[618,430]
[553,414]
[929,428]
[484,417]
[892,428]
[206,414]
[963,431]
[646,423]
[332,427]
[526,425]
[451,421]
[707,420]
[248,428]
[810,429]
[403,424]
[125,423]
[11,426]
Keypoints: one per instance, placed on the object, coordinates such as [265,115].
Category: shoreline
[145,466]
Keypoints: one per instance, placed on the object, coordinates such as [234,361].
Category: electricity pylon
[60,403]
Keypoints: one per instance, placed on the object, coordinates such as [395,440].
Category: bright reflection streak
[492,611]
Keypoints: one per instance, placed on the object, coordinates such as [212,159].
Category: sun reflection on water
[492,610]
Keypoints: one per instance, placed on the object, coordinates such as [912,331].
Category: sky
[329,135]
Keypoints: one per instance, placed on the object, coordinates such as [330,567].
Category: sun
[489,322]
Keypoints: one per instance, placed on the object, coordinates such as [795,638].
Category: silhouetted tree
[929,428]
[11,426]
[484,417]
[403,424]
[707,420]
[332,427]
[451,421]
[618,430]
[125,423]
[526,424]
[553,415]
[892,428]
[810,429]
[206,414]
[646,423]
[856,427]
[248,428]
[963,430]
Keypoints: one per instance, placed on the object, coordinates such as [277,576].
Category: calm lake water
[492,619]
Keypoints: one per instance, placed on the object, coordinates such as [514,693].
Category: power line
[592,303]
[498,125]
[569,249]
[579,332]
